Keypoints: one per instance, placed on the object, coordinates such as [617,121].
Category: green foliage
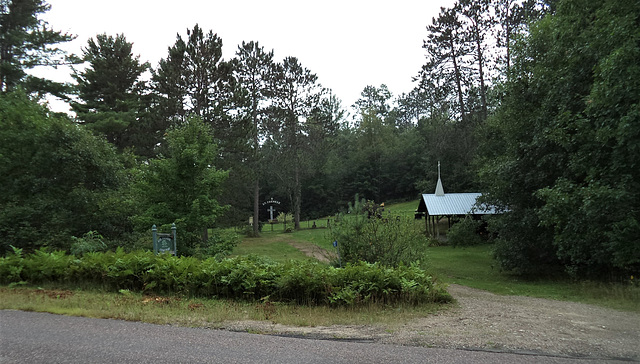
[220,243]
[12,266]
[368,234]
[285,217]
[246,278]
[91,241]
[110,92]
[26,41]
[193,80]
[54,176]
[466,232]
[561,152]
[182,187]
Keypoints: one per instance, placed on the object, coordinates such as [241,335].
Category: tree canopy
[26,42]
[53,174]
[111,92]
[535,103]
[562,155]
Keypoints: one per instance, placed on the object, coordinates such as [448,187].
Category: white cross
[271,211]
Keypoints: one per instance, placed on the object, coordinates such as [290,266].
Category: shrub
[219,244]
[368,234]
[246,278]
[466,232]
[89,242]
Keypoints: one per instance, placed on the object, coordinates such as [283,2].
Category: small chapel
[434,207]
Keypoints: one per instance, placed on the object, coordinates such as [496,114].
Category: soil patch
[313,251]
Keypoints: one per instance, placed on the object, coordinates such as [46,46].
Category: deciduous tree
[563,155]
[183,186]
[54,176]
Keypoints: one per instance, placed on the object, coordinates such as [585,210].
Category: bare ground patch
[313,251]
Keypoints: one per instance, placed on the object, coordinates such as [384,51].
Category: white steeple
[439,189]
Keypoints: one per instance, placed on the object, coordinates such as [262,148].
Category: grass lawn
[471,266]
[475,267]
[281,246]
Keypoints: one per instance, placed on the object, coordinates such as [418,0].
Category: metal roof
[452,204]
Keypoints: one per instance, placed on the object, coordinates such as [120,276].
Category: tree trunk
[483,93]
[297,196]
[256,208]
[256,145]
[458,75]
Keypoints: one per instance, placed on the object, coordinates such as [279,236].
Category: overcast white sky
[348,44]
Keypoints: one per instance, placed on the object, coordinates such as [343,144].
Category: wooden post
[426,223]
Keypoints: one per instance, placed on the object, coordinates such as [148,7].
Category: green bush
[369,234]
[246,278]
[89,242]
[466,232]
[220,244]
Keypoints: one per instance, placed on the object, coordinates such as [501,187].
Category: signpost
[335,245]
[164,243]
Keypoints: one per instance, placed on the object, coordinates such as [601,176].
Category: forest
[534,103]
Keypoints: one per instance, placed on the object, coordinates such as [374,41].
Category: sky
[348,44]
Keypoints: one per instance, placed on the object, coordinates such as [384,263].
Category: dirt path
[313,251]
[485,321]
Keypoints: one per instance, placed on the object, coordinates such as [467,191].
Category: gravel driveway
[485,321]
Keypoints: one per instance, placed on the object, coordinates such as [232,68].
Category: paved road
[30,337]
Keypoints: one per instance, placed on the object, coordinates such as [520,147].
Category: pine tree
[446,48]
[195,80]
[294,93]
[111,91]
[251,69]
[26,42]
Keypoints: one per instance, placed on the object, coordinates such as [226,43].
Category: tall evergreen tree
[375,100]
[513,18]
[447,47]
[251,69]
[294,93]
[195,80]
[26,42]
[111,92]
[480,24]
